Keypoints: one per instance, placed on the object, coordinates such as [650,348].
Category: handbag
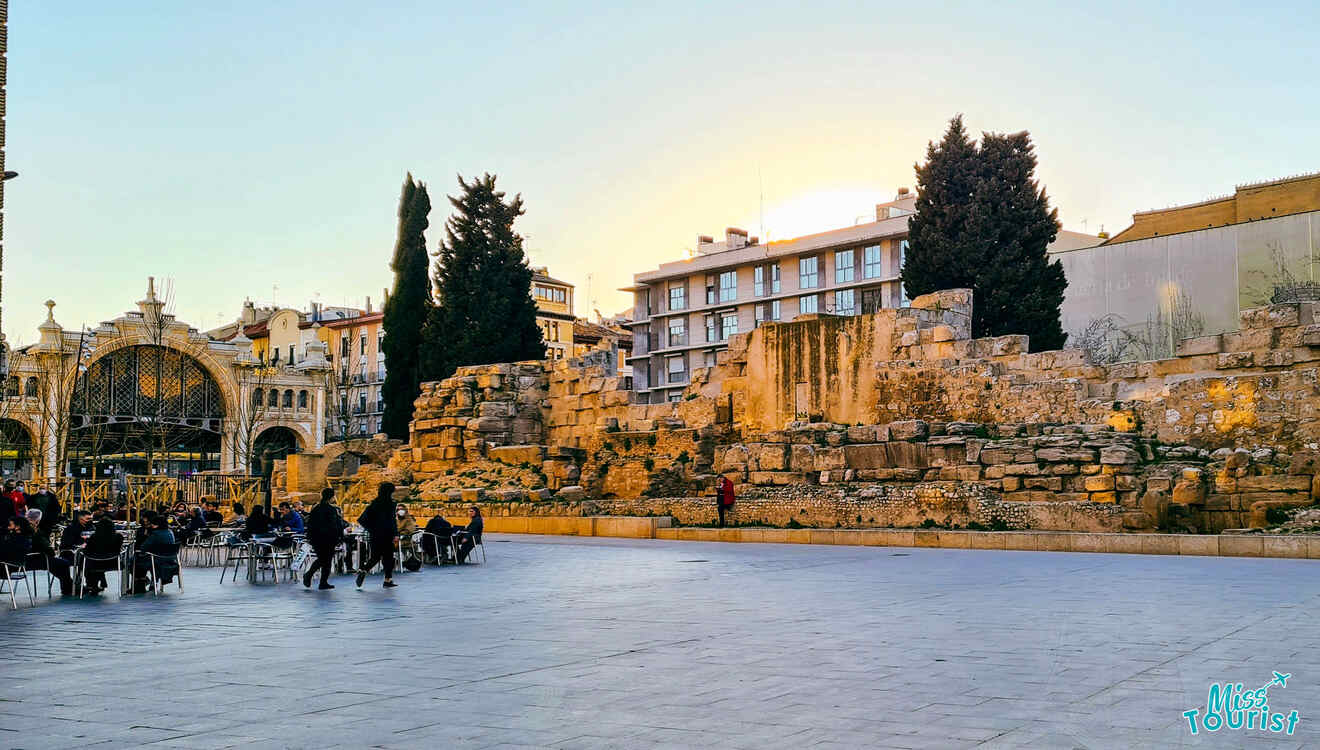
[300,557]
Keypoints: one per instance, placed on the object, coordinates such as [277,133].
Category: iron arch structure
[142,404]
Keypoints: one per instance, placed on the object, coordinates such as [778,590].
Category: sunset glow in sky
[234,147]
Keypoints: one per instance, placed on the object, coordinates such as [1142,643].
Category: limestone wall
[885,413]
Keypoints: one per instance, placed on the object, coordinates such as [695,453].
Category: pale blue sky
[239,147]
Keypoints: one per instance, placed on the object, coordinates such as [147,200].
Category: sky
[251,149]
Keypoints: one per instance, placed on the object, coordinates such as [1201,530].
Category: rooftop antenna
[591,296]
[273,289]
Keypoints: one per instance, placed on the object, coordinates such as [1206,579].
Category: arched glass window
[30,387]
[288,399]
[302,399]
[256,398]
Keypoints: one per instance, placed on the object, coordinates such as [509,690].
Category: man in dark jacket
[324,532]
[58,567]
[378,520]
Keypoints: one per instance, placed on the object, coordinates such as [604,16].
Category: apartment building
[554,313]
[684,312]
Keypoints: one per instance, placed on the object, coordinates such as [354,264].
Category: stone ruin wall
[895,418]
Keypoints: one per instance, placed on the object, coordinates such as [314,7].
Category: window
[677,331]
[677,297]
[728,286]
[291,359]
[710,289]
[288,399]
[767,311]
[675,396]
[362,401]
[362,344]
[302,399]
[677,370]
[343,347]
[711,333]
[274,356]
[30,387]
[257,398]
[362,428]
[872,266]
[774,278]
[758,281]
[845,302]
[728,325]
[807,305]
[808,273]
[903,301]
[843,266]
[709,357]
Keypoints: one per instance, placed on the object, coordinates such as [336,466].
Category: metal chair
[239,554]
[45,566]
[476,545]
[441,543]
[156,585]
[118,560]
[17,573]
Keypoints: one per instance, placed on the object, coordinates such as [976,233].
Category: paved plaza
[596,643]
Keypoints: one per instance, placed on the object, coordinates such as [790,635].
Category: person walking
[324,532]
[378,520]
[723,496]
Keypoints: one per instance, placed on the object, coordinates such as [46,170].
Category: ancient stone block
[874,456]
[472,494]
[571,493]
[1103,497]
[1199,345]
[1075,455]
[1234,360]
[1275,483]
[1022,470]
[1118,455]
[768,456]
[802,458]
[830,458]
[914,429]
[1272,316]
[908,455]
[1098,483]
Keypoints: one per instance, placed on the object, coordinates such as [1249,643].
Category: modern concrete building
[1188,270]
[685,311]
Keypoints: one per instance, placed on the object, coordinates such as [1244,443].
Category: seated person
[104,543]
[469,537]
[48,560]
[75,534]
[257,524]
[159,541]
[16,542]
[237,516]
[407,526]
[211,509]
[291,519]
[437,547]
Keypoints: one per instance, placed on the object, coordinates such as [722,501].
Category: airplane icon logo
[1281,679]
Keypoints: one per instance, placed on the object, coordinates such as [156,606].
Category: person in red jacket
[723,496]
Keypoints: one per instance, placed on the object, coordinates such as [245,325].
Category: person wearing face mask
[408,527]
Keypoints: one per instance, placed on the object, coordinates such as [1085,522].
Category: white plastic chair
[17,573]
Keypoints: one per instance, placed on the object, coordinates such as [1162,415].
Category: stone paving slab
[608,643]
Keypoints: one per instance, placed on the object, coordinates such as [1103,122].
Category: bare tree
[1277,283]
[256,399]
[1107,341]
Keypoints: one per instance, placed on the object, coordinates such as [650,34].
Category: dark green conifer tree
[484,312]
[983,222]
[406,311]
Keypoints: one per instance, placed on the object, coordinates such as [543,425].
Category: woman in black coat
[104,542]
[257,524]
[378,520]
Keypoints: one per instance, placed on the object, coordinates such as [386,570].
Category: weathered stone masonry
[898,418]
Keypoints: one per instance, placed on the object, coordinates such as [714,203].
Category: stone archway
[273,444]
[146,409]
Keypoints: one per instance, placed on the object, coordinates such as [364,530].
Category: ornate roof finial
[50,311]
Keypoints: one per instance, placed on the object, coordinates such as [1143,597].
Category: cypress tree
[1019,289]
[941,253]
[484,311]
[983,222]
[406,311]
